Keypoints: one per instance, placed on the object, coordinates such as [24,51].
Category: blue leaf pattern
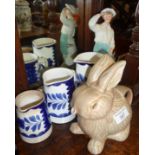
[21,123]
[64,95]
[54,105]
[63,107]
[27,128]
[80,78]
[53,96]
[32,118]
[38,118]
[33,123]
[39,126]
[26,120]
[33,128]
[57,101]
[59,106]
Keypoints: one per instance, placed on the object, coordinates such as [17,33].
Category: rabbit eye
[94,105]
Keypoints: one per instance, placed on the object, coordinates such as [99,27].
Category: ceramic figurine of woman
[104,34]
[68,17]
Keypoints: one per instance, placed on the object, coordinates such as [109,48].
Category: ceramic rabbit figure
[102,106]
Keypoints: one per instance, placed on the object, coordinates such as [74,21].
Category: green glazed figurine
[69,17]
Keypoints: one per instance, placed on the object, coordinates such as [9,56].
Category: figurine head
[94,99]
[108,14]
[72,11]
[68,13]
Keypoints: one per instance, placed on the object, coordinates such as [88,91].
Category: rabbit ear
[111,77]
[102,64]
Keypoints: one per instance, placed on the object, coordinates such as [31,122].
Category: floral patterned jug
[84,62]
[58,87]
[32,118]
[31,67]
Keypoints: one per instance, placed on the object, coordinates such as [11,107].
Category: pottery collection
[39,58]
[91,91]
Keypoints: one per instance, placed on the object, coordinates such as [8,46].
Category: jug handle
[127,93]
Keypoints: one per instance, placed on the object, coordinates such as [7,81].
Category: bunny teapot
[102,106]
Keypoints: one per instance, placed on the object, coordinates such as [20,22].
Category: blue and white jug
[32,117]
[59,87]
[84,62]
[31,67]
[44,48]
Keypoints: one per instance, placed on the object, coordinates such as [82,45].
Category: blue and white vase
[33,121]
[44,48]
[31,65]
[59,87]
[84,62]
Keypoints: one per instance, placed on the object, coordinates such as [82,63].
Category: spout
[29,99]
[87,57]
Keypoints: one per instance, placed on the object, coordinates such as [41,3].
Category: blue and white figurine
[84,62]
[31,65]
[58,87]
[32,117]
[44,48]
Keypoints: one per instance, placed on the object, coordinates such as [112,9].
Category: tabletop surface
[63,142]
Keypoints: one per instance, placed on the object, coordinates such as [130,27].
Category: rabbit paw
[121,136]
[95,147]
[75,128]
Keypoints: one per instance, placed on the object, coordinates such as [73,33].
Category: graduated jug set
[38,109]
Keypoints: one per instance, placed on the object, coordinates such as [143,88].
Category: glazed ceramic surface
[44,48]
[23,15]
[31,67]
[32,117]
[84,62]
[104,33]
[67,42]
[102,106]
[58,87]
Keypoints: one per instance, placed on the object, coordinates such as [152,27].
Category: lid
[87,57]
[28,99]
[29,57]
[43,42]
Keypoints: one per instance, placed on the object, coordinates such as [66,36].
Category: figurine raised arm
[104,34]
[102,106]
[68,17]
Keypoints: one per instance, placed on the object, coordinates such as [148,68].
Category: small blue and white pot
[84,62]
[32,117]
[59,87]
[44,48]
[31,63]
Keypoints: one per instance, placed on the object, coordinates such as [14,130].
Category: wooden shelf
[36,31]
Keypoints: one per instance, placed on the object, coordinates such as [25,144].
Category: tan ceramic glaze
[102,106]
